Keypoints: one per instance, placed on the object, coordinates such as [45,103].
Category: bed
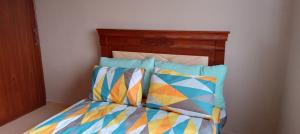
[184,47]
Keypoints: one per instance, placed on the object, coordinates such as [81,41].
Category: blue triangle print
[104,91]
[110,117]
[171,78]
[190,92]
[93,105]
[168,132]
[179,129]
[121,129]
[151,113]
[117,74]
[210,85]
[80,128]
[203,106]
[94,75]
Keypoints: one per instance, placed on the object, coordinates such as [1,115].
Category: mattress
[89,117]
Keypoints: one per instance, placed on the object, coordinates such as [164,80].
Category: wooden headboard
[197,43]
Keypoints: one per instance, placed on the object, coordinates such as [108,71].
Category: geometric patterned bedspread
[91,117]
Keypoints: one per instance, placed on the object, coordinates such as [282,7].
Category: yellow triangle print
[153,125]
[91,116]
[118,91]
[133,92]
[78,112]
[117,120]
[45,129]
[162,125]
[190,128]
[207,78]
[154,86]
[97,90]
[167,95]
[140,122]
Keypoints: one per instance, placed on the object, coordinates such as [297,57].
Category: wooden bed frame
[197,43]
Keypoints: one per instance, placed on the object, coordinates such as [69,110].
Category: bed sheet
[90,117]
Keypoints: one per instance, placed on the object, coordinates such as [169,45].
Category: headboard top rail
[172,34]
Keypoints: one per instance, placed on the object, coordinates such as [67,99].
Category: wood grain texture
[198,43]
[21,79]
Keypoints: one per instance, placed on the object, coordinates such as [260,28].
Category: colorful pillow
[185,94]
[219,72]
[147,64]
[185,69]
[118,85]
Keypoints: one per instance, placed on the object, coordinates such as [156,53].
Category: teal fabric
[147,64]
[219,72]
[185,69]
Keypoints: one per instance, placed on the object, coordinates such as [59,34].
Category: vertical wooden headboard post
[198,43]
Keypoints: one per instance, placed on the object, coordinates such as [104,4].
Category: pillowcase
[118,85]
[147,64]
[219,72]
[185,69]
[185,94]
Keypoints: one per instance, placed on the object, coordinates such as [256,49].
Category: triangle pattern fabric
[103,117]
[192,83]
[118,85]
[181,93]
[190,92]
[188,105]
[166,95]
[170,80]
[179,129]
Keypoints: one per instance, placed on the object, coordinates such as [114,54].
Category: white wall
[291,102]
[255,51]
